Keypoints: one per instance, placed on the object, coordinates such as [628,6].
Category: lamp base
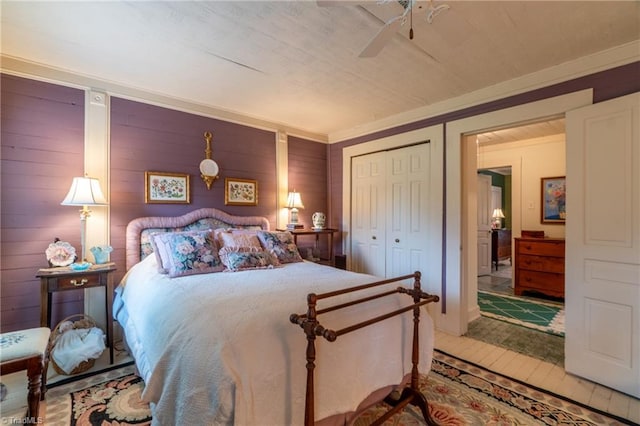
[294,226]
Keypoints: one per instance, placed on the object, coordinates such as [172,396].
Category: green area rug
[546,317]
[459,394]
[527,341]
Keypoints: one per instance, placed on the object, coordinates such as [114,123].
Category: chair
[27,350]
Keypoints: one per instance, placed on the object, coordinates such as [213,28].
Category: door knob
[397,240]
[373,237]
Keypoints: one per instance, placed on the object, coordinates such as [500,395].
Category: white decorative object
[60,253]
[319,219]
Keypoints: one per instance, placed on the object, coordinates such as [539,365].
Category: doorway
[497,278]
[511,160]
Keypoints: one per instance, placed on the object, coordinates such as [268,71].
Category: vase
[318,219]
[101,253]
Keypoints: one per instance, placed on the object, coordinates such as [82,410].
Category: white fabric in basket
[77,345]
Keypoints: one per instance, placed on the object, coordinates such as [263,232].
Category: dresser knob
[81,283]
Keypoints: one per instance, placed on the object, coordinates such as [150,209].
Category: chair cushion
[23,343]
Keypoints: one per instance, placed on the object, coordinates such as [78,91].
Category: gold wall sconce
[208,168]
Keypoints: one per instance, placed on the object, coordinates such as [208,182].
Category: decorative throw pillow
[281,245]
[188,253]
[156,251]
[238,238]
[241,258]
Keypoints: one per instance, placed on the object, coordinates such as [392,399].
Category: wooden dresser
[539,266]
[500,246]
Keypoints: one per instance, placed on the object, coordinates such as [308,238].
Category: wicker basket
[83,321]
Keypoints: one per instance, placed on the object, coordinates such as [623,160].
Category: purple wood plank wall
[146,137]
[308,175]
[42,150]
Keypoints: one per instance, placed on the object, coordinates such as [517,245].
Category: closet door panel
[397,208]
[368,214]
[390,211]
[412,167]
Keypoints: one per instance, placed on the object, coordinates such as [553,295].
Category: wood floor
[541,374]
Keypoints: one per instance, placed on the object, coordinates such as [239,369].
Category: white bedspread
[220,349]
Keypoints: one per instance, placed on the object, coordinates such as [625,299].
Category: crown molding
[22,68]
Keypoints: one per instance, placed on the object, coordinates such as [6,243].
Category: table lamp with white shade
[294,202]
[84,191]
[497,216]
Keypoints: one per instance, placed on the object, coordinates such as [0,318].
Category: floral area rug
[110,398]
[459,394]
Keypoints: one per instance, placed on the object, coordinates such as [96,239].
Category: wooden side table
[327,231]
[64,279]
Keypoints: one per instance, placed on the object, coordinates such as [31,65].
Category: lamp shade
[498,214]
[294,201]
[84,191]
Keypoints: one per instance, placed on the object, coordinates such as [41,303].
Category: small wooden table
[327,231]
[64,279]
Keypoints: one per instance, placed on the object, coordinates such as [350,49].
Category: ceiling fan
[393,25]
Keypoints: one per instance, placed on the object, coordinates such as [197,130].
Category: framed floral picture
[553,203]
[163,187]
[240,192]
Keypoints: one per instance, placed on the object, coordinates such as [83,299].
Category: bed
[217,347]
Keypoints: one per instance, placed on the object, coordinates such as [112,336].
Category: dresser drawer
[74,282]
[541,263]
[545,282]
[544,248]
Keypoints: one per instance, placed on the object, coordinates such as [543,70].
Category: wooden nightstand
[317,232]
[64,279]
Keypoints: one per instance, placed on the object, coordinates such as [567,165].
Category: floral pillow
[241,258]
[281,245]
[187,253]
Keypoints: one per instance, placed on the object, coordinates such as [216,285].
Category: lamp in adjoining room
[84,191]
[497,216]
[294,202]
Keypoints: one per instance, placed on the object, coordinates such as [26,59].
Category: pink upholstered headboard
[138,245]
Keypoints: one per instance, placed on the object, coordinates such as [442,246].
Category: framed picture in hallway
[553,200]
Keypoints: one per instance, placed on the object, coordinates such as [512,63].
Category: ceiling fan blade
[382,38]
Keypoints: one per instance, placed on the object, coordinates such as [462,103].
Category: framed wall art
[240,192]
[161,187]
[553,200]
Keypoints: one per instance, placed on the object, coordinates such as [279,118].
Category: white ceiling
[296,64]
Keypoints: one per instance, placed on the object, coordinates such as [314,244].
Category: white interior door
[368,178]
[407,209]
[603,244]
[484,224]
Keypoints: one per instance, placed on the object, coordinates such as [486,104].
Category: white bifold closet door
[390,211]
